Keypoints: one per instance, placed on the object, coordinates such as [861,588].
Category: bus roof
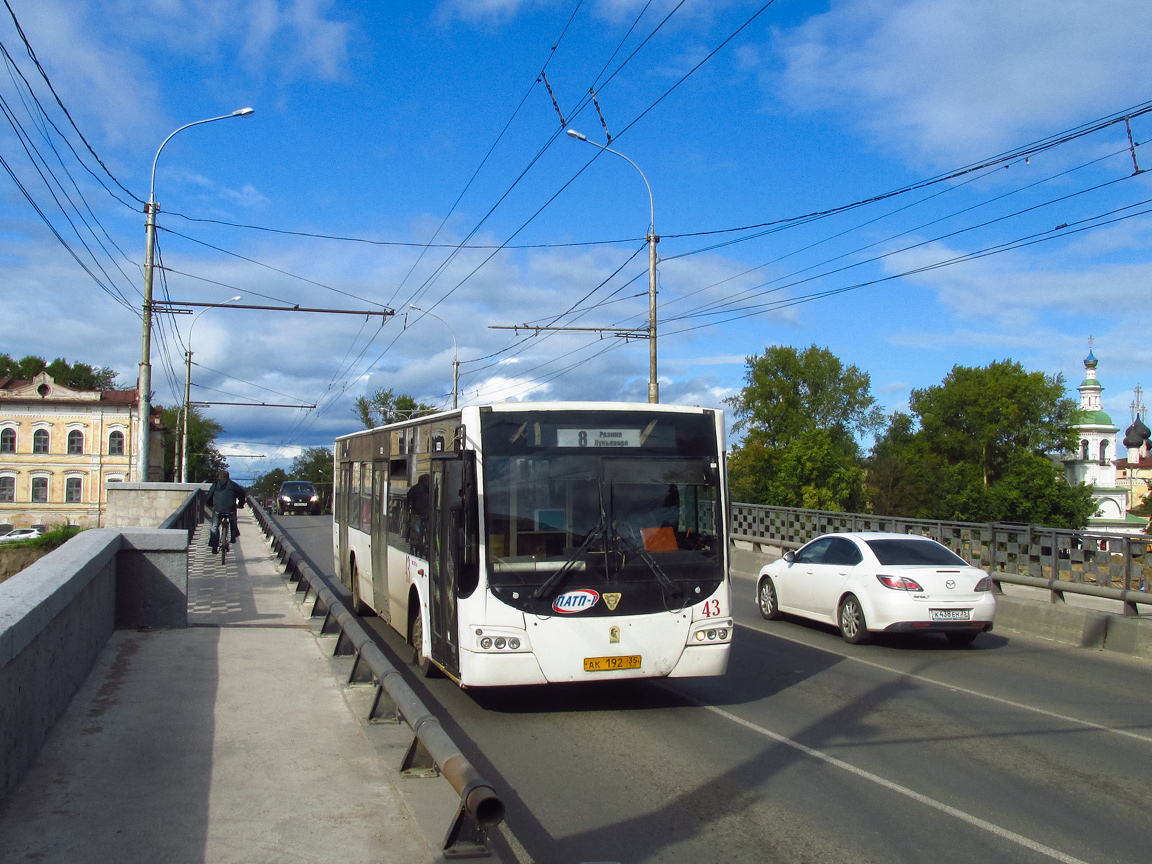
[513,407]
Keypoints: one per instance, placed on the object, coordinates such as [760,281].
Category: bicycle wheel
[225,539]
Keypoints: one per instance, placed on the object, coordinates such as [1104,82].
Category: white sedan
[20,534]
[879,583]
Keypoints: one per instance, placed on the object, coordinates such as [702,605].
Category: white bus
[528,543]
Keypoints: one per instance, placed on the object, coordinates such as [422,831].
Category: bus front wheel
[419,659]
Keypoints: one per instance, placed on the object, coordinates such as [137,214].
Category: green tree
[982,416]
[901,478]
[78,376]
[980,453]
[384,406]
[788,393]
[802,413]
[265,486]
[818,472]
[204,460]
[1033,489]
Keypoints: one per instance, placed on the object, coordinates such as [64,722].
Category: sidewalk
[228,741]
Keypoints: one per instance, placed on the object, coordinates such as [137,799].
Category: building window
[40,489]
[7,440]
[72,489]
[75,443]
[40,441]
[116,444]
[7,489]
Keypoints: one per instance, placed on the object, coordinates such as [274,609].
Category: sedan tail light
[899,583]
[984,584]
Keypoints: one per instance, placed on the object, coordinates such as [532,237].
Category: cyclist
[224,496]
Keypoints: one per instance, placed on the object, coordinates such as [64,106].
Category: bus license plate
[608,664]
[950,614]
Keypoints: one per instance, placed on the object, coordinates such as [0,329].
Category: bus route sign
[597,437]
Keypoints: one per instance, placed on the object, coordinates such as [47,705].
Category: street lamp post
[146,348]
[653,383]
[188,388]
[455,354]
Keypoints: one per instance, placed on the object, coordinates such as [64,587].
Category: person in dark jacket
[224,496]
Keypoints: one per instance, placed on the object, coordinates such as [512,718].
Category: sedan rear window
[915,552]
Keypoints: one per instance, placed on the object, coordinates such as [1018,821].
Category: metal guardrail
[1112,566]
[432,752]
[189,515]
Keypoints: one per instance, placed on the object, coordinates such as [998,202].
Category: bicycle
[225,537]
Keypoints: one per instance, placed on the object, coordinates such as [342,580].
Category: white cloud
[945,80]
[102,56]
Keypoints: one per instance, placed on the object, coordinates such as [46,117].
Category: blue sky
[421,141]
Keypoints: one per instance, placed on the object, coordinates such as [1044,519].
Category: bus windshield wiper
[671,587]
[569,565]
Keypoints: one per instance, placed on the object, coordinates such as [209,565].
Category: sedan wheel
[769,605]
[853,627]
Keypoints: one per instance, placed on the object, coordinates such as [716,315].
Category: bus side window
[419,500]
[366,497]
[354,497]
[398,512]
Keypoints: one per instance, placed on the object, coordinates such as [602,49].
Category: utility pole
[653,239]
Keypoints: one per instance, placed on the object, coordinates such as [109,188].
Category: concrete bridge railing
[1112,566]
[57,615]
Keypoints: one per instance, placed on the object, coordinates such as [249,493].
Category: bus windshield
[600,499]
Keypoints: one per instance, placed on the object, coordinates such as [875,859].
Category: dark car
[297,496]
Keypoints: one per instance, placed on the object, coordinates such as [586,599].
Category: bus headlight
[705,633]
[501,639]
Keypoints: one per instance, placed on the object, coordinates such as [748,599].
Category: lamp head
[243,112]
[572,133]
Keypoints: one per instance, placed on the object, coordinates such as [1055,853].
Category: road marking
[975,821]
[1099,727]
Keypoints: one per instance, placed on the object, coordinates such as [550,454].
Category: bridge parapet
[1113,566]
[57,615]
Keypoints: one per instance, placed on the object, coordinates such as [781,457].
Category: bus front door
[442,566]
[340,514]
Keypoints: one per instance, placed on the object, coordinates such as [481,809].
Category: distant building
[1094,463]
[59,446]
[1135,472]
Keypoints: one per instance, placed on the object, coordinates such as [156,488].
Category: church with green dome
[1095,461]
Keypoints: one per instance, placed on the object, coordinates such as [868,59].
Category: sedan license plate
[950,614]
[609,664]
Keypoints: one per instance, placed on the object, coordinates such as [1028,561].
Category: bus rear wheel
[419,659]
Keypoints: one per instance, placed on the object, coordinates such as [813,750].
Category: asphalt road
[811,750]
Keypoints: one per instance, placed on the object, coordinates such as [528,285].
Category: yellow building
[59,446]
